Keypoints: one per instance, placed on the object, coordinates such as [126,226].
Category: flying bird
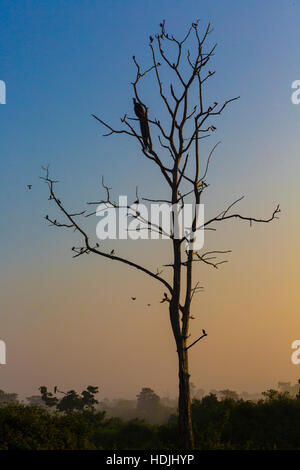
[29,186]
[133,298]
[141,112]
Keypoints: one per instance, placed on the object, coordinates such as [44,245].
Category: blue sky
[63,60]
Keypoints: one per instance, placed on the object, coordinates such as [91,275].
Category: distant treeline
[76,423]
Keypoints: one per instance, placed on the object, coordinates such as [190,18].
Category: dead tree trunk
[184,401]
[171,153]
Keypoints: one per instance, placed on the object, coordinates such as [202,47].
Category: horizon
[101,399]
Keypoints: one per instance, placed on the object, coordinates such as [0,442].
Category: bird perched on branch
[165,298]
[141,112]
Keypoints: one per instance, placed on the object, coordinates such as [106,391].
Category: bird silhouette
[165,298]
[133,298]
[141,113]
[29,186]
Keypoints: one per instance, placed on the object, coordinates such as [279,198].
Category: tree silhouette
[48,398]
[172,145]
[71,401]
[147,400]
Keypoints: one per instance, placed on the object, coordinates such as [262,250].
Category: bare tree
[174,149]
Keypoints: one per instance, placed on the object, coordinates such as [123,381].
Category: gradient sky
[71,322]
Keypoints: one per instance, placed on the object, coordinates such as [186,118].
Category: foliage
[270,423]
[71,401]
